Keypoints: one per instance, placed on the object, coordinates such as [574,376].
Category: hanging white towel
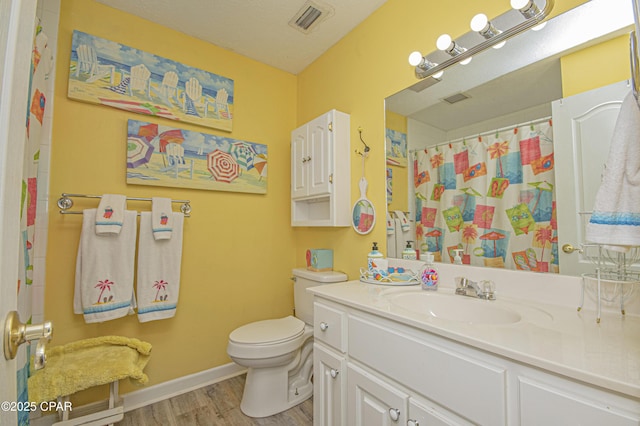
[161,218]
[110,214]
[390,225]
[404,222]
[104,270]
[159,262]
[615,220]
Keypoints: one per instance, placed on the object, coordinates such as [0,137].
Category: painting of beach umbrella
[148,131]
[243,153]
[493,236]
[138,152]
[222,166]
[436,233]
[169,136]
[260,164]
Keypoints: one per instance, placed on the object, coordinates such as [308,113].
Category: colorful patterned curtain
[41,64]
[492,196]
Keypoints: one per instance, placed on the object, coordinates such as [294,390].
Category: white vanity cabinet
[399,374]
[321,172]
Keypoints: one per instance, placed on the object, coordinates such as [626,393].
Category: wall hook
[366,147]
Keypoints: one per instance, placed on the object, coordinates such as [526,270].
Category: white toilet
[278,352]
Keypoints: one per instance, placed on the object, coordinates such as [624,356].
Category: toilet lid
[268,331]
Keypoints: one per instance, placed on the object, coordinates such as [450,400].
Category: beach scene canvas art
[109,73]
[160,155]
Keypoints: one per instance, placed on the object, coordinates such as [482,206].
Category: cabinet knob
[324,326]
[394,413]
[412,423]
[334,373]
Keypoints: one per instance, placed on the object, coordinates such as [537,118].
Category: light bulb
[499,45]
[479,22]
[539,26]
[415,58]
[444,42]
[466,61]
[438,74]
[519,4]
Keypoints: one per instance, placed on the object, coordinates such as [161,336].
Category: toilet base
[269,391]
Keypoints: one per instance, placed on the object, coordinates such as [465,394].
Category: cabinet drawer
[329,326]
[433,367]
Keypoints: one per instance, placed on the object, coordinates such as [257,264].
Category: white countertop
[565,341]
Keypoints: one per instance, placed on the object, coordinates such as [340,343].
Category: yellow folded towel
[86,363]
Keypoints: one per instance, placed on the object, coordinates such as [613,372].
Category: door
[582,128]
[373,402]
[17,19]
[319,148]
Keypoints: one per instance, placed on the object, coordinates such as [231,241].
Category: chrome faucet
[466,287]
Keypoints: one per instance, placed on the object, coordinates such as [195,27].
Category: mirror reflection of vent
[456,98]
[310,15]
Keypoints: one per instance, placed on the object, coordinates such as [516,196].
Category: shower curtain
[41,64]
[491,196]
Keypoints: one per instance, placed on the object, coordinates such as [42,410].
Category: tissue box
[320,260]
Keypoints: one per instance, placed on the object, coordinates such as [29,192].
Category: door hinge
[331,178]
[331,126]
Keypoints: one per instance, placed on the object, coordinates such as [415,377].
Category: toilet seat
[268,332]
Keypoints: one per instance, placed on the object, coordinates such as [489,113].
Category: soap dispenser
[429,275]
[375,261]
[409,252]
[457,260]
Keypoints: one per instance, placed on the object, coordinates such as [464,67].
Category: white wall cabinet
[397,374]
[321,171]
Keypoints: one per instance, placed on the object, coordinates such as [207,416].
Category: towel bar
[65,203]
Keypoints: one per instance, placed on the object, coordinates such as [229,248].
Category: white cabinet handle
[324,326]
[394,413]
[412,423]
[334,373]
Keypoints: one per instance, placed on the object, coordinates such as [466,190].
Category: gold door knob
[568,248]
[17,333]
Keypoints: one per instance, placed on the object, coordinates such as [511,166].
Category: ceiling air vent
[311,14]
[456,98]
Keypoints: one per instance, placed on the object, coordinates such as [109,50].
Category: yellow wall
[597,66]
[400,193]
[238,248]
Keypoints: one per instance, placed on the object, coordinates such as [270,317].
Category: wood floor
[217,404]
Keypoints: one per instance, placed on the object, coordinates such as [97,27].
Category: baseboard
[166,390]
[155,393]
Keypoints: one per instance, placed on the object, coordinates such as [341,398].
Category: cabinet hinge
[331,126]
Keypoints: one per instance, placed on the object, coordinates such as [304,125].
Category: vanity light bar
[500,37]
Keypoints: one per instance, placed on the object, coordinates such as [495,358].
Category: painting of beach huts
[160,155]
[108,73]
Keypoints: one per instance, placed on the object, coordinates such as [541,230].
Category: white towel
[404,222]
[110,214]
[159,263]
[161,218]
[390,225]
[104,270]
[615,219]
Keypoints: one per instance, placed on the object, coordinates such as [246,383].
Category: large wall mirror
[492,164]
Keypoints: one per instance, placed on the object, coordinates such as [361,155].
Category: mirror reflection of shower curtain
[491,195]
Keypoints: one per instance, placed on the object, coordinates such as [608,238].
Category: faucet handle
[488,289]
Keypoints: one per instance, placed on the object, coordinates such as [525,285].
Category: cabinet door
[320,138]
[423,415]
[546,404]
[299,162]
[373,402]
[329,383]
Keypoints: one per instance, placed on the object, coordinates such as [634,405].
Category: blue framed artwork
[109,73]
[160,155]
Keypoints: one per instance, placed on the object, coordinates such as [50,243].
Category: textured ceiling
[258,29]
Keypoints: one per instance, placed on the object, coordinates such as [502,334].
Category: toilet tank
[302,299]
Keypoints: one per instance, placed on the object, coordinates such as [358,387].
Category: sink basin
[454,308]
